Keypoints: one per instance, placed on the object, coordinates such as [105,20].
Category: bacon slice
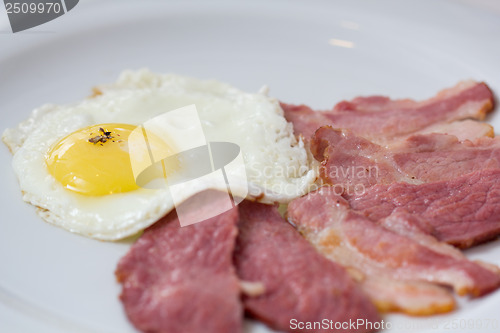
[463,212]
[299,283]
[381,119]
[182,279]
[357,164]
[354,241]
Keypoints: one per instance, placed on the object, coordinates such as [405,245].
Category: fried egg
[73,161]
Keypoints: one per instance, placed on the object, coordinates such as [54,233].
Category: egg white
[276,163]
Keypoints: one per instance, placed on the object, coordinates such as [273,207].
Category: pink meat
[357,164]
[352,162]
[381,119]
[387,292]
[463,212]
[299,283]
[436,157]
[354,241]
[182,279]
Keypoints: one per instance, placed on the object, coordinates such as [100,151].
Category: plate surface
[314,52]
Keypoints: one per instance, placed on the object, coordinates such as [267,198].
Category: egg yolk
[94,160]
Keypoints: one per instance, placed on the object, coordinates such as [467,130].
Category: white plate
[53,281]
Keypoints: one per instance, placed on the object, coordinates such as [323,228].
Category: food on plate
[352,240]
[72,160]
[382,120]
[299,282]
[429,175]
[463,211]
[185,279]
[181,279]
[357,163]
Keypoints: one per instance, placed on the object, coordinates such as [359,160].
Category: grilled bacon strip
[382,120]
[352,240]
